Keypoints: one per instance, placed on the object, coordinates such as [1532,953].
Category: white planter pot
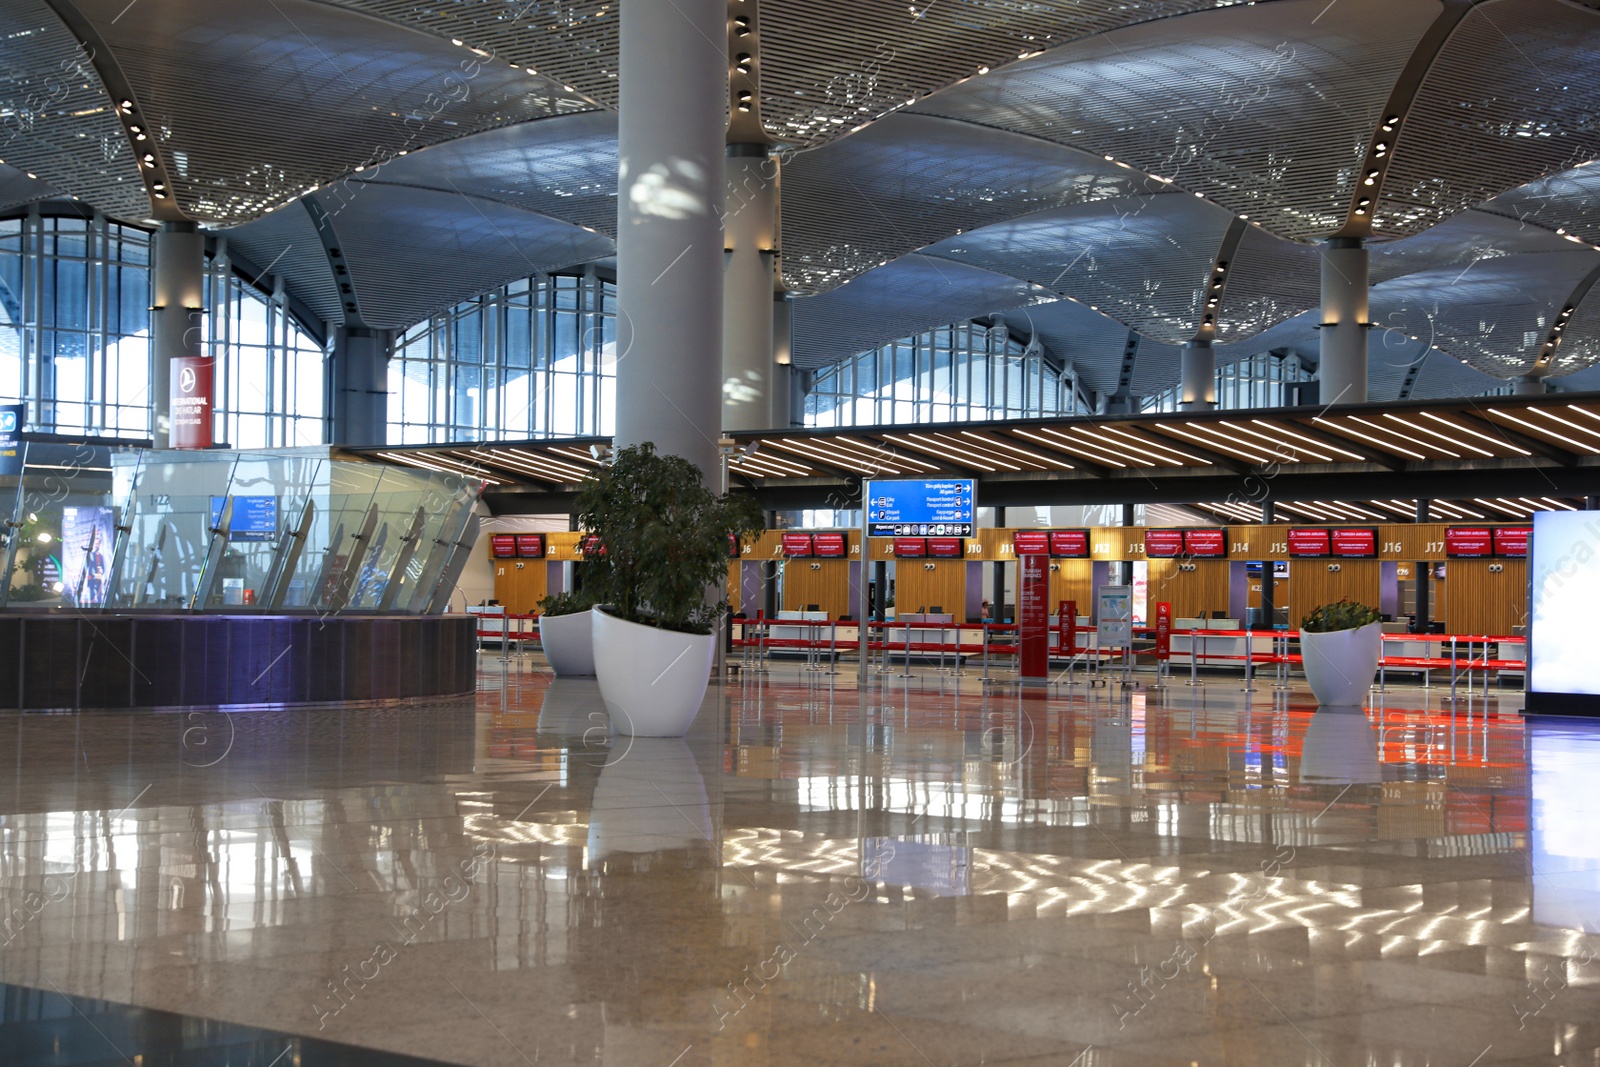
[1340,746]
[1340,666]
[568,642]
[573,707]
[653,680]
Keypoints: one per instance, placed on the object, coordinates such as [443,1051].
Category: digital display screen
[941,507]
[1468,542]
[1030,542]
[1358,543]
[1069,544]
[1205,544]
[910,547]
[946,547]
[1308,541]
[1163,544]
[530,546]
[1563,670]
[735,549]
[796,544]
[503,546]
[828,545]
[1511,542]
[88,541]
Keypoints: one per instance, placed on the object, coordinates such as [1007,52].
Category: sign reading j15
[917,508]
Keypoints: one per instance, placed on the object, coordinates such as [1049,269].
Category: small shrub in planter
[1344,615]
[1340,645]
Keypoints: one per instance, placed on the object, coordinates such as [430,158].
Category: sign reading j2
[920,508]
[255,518]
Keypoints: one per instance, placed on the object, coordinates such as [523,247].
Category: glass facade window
[1259,381]
[75,338]
[535,358]
[959,373]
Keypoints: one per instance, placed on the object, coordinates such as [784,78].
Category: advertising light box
[1030,542]
[1511,542]
[828,545]
[503,546]
[797,544]
[946,547]
[1163,544]
[530,546]
[1205,544]
[1468,542]
[1355,543]
[1563,670]
[1069,544]
[942,507]
[910,547]
[1308,542]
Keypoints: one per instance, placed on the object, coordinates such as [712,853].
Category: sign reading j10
[907,508]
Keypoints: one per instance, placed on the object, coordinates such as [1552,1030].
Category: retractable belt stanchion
[1194,658]
[833,646]
[1249,661]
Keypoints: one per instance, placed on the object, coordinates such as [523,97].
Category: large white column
[1198,389]
[782,363]
[177,319]
[671,133]
[359,400]
[1343,337]
[747,327]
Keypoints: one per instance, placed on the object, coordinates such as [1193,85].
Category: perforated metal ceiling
[1511,99]
[286,244]
[16,188]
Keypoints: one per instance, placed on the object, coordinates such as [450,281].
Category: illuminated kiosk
[222,578]
[1564,587]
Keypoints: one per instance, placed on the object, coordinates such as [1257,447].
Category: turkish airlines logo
[8,422]
[186,380]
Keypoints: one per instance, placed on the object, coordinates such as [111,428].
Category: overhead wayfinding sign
[942,507]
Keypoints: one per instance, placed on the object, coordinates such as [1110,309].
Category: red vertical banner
[1033,616]
[1163,629]
[191,401]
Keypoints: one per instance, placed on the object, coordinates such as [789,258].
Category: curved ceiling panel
[1264,109]
[1494,317]
[1093,346]
[286,244]
[911,180]
[1512,97]
[910,295]
[1566,204]
[16,188]
[1580,348]
[56,120]
[1269,280]
[456,248]
[563,167]
[255,104]
[1463,241]
[1142,260]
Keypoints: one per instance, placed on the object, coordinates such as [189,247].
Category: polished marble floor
[927,872]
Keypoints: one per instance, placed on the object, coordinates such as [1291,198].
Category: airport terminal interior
[694,533]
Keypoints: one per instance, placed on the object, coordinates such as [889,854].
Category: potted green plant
[656,567]
[566,633]
[1340,645]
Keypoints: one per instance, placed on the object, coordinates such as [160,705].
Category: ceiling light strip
[934,450]
[1130,450]
[1037,457]
[1276,428]
[986,453]
[1435,433]
[1391,447]
[1208,443]
[1157,446]
[1275,443]
[1542,429]
[1069,447]
[1497,442]
[1376,428]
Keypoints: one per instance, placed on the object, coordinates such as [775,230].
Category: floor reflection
[930,872]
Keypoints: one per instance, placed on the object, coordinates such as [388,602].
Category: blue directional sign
[255,518]
[11,416]
[942,507]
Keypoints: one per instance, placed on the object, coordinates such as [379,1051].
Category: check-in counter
[1215,650]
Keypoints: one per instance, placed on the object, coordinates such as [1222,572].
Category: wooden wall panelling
[1312,584]
[520,590]
[823,582]
[1192,594]
[1072,579]
[918,589]
[1478,600]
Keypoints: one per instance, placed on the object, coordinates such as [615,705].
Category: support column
[1424,571]
[358,400]
[780,415]
[177,321]
[1198,389]
[748,242]
[1343,338]
[1269,594]
[671,134]
[1530,385]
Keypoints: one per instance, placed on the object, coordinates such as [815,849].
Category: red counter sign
[1030,542]
[910,547]
[828,545]
[191,398]
[1069,544]
[1205,544]
[503,546]
[1308,541]
[796,544]
[1511,542]
[1468,542]
[530,546]
[1163,544]
[1163,629]
[1033,616]
[1354,544]
[946,547]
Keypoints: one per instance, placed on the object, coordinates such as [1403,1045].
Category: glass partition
[61,527]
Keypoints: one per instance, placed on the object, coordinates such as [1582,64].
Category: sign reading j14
[917,508]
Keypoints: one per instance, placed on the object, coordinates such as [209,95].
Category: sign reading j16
[920,508]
